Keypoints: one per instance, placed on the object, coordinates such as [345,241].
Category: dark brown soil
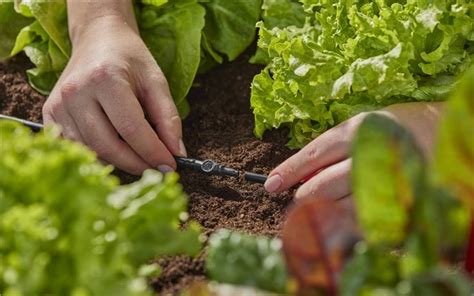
[219,128]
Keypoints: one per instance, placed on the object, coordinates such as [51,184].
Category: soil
[219,128]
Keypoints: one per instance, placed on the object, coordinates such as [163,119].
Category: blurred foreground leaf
[245,260]
[318,237]
[454,160]
[388,173]
[67,228]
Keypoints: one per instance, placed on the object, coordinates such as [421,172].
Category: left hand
[329,154]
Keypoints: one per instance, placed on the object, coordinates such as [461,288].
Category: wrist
[102,27]
[97,16]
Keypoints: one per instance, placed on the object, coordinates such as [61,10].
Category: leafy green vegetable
[318,236]
[278,14]
[353,56]
[173,34]
[399,209]
[230,25]
[182,35]
[10,26]
[387,178]
[241,259]
[67,228]
[454,161]
[45,41]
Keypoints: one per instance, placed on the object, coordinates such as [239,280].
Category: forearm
[83,14]
[421,118]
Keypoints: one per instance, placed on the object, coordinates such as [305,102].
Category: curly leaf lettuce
[352,56]
[279,14]
[67,228]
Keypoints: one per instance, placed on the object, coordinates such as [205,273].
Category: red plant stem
[332,289]
[469,266]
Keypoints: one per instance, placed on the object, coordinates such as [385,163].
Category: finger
[329,148]
[100,136]
[162,112]
[56,114]
[127,117]
[333,182]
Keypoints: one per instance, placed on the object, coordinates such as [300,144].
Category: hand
[109,89]
[329,154]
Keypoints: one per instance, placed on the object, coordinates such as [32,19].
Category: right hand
[109,89]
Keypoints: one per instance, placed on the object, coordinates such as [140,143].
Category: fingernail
[273,183]
[165,168]
[182,148]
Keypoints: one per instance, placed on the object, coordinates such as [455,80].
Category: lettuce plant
[67,228]
[353,56]
[184,36]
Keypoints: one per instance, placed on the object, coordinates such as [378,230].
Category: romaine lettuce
[184,36]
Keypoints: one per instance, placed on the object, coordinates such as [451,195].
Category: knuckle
[53,108]
[159,78]
[286,171]
[104,72]
[175,122]
[128,128]
[311,153]
[69,91]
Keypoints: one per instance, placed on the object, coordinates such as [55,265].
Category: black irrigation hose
[36,127]
[208,167]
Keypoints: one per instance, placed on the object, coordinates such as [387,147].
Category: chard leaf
[318,238]
[387,178]
[454,160]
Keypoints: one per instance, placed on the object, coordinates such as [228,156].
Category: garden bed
[219,128]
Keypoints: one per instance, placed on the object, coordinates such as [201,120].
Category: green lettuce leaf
[278,14]
[45,41]
[172,32]
[67,228]
[10,26]
[230,25]
[361,55]
[184,36]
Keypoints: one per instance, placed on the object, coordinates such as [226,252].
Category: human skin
[329,154]
[113,96]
